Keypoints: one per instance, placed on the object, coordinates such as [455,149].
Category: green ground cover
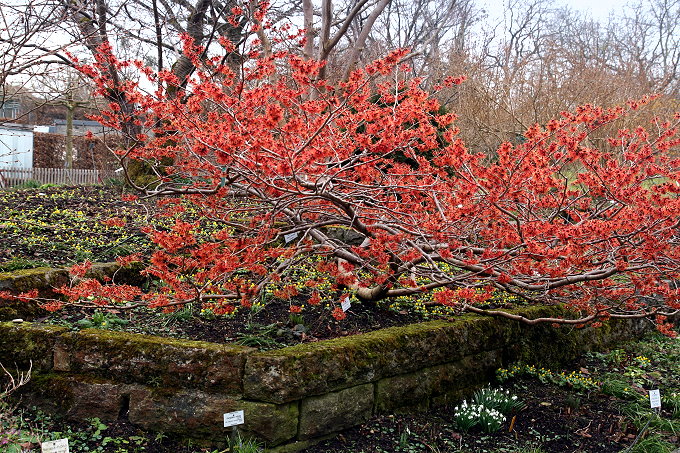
[57,226]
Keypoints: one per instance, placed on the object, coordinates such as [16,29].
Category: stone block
[77,397]
[551,346]
[199,415]
[44,279]
[312,369]
[25,344]
[413,391]
[335,411]
[154,361]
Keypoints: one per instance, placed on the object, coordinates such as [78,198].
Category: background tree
[26,48]
[69,90]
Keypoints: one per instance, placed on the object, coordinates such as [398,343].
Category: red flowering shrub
[280,161]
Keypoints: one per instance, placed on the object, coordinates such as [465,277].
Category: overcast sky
[599,9]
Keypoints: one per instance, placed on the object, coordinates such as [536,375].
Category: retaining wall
[290,396]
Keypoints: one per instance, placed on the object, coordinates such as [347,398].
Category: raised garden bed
[291,396]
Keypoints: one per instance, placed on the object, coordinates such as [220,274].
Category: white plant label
[655,398]
[55,446]
[233,418]
[345,304]
[290,237]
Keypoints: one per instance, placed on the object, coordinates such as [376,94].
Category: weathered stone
[77,397]
[196,414]
[414,390]
[335,411]
[551,346]
[184,387]
[61,359]
[155,361]
[345,235]
[300,445]
[272,423]
[44,279]
[313,369]
[25,345]
[103,400]
[406,391]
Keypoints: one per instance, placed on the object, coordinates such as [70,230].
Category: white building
[16,145]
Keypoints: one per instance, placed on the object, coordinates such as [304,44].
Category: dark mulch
[554,419]
[269,328]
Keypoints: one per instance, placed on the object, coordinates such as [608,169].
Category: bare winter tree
[540,60]
[537,61]
[152,30]
[328,28]
[71,91]
[649,45]
[429,29]
[27,48]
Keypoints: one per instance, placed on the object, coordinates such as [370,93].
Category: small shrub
[246,446]
[672,403]
[113,182]
[14,435]
[100,320]
[490,420]
[652,443]
[575,380]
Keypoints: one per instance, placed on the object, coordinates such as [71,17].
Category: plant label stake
[289,237]
[655,399]
[345,304]
[233,419]
[55,446]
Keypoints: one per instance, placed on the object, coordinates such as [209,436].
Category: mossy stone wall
[292,395]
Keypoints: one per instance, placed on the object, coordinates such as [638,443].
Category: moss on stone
[309,369]
[335,411]
[312,369]
[25,272]
[156,361]
[45,280]
[40,278]
[26,344]
[53,389]
[146,343]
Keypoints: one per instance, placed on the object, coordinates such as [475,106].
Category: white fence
[11,176]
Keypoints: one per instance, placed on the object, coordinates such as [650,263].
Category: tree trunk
[70,107]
